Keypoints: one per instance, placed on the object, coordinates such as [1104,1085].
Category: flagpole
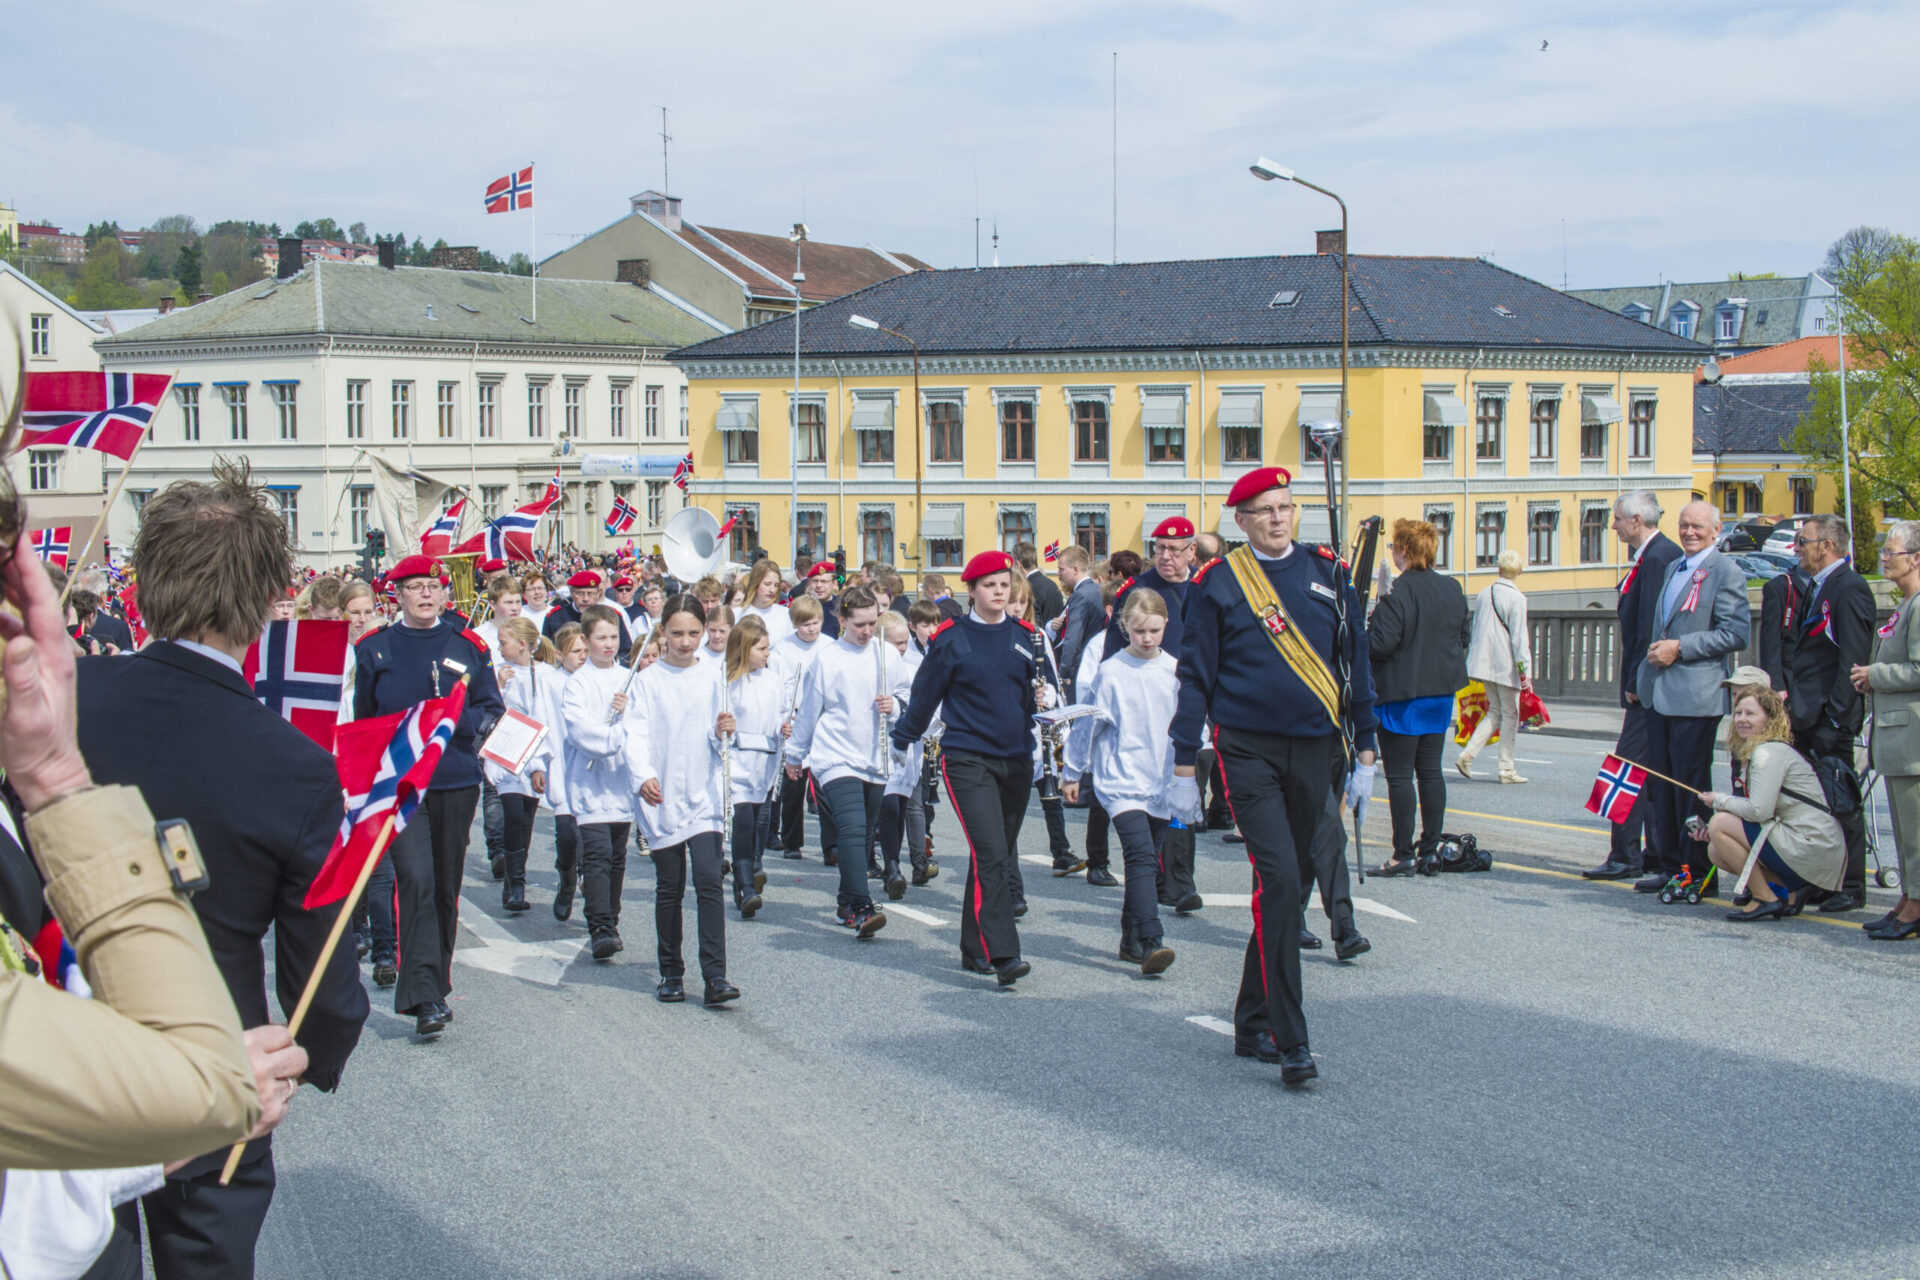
[533,251]
[80,562]
[1653,773]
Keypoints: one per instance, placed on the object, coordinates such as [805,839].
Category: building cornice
[1099,363]
[1156,488]
[312,346]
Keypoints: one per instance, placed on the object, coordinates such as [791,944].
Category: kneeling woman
[1800,845]
[674,756]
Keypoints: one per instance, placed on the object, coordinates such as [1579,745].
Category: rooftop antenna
[976,211]
[666,178]
[996,239]
[1116,157]
[1563,255]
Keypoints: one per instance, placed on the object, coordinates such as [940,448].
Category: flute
[726,773]
[883,747]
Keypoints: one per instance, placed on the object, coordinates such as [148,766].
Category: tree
[105,281]
[518,264]
[186,269]
[1861,249]
[1880,305]
[98,231]
[358,233]
[419,255]
[324,229]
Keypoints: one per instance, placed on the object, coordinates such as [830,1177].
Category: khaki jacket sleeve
[153,1068]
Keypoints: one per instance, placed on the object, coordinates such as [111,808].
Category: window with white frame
[812,418]
[402,410]
[189,396]
[1489,536]
[739,425]
[1728,329]
[653,412]
[40,328]
[286,407]
[235,394]
[288,500]
[1545,424]
[487,408]
[491,496]
[685,420]
[656,514]
[1490,426]
[1016,430]
[572,394]
[1594,519]
[946,431]
[876,534]
[945,533]
[1090,530]
[873,427]
[1640,415]
[1163,414]
[1543,533]
[1681,319]
[1091,433]
[43,470]
[139,498]
[1241,421]
[356,409]
[446,410]
[1441,518]
[537,408]
[810,536]
[617,389]
[359,513]
[1016,527]
[745,537]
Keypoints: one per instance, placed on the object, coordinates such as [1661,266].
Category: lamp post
[1267,171]
[919,499]
[799,238]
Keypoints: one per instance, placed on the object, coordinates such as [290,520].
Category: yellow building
[1743,460]
[1086,403]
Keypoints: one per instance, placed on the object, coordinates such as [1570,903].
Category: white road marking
[543,962]
[1227,899]
[1368,905]
[1036,859]
[911,913]
[1212,1023]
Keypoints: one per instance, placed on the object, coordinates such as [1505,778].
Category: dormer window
[1635,311]
[1681,319]
[1727,328]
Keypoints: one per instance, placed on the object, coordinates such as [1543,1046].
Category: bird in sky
[1543,46]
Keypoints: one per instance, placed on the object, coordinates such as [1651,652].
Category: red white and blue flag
[1823,624]
[107,412]
[51,545]
[1053,551]
[385,765]
[621,518]
[298,668]
[553,486]
[438,540]
[511,536]
[1615,790]
[515,191]
[683,473]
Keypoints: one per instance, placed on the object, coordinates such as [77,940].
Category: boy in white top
[791,658]
[903,812]
[600,718]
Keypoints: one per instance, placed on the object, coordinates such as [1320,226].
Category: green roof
[425,302]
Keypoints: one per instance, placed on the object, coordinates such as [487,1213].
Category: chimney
[633,271]
[1330,241]
[459,257]
[385,247]
[166,304]
[290,263]
[199,298]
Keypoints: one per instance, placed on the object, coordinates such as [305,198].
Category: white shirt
[1128,750]
[675,746]
[837,731]
[778,622]
[599,788]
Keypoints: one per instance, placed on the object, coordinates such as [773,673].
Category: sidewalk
[1582,720]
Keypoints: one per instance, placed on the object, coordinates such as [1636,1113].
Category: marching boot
[563,896]
[513,890]
[896,883]
[919,868]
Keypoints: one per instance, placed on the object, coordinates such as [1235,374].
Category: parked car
[1780,543]
[1755,566]
[1745,535]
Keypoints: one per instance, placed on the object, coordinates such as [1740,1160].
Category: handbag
[1533,712]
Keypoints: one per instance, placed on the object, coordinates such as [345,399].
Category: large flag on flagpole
[438,540]
[508,195]
[511,536]
[107,412]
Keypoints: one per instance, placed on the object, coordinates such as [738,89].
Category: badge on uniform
[1023,652]
[1322,589]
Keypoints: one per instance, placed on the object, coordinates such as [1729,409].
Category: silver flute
[883,749]
[780,758]
[726,774]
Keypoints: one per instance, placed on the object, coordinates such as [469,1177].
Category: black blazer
[1417,638]
[265,805]
[1048,603]
[1832,633]
[1639,606]
[1779,611]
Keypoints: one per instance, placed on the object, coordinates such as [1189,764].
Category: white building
[446,372]
[62,486]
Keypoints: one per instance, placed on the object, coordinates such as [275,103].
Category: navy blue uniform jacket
[397,668]
[980,677]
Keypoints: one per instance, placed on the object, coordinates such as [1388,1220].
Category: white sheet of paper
[513,740]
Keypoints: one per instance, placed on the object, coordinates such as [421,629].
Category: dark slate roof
[1748,417]
[1782,298]
[1203,304]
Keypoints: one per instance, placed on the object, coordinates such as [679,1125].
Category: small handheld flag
[1616,789]
[683,473]
[51,545]
[511,193]
[1053,551]
[621,518]
[298,668]
[107,412]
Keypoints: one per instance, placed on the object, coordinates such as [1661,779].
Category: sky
[1646,141]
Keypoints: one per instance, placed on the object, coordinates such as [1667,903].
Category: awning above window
[1595,410]
[945,524]
[1153,518]
[1319,406]
[873,413]
[1161,411]
[738,415]
[1240,409]
[1445,409]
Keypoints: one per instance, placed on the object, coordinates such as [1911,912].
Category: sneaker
[920,875]
[865,921]
[1067,864]
[385,974]
[1510,775]
[1152,957]
[605,944]
[1101,878]
[1465,765]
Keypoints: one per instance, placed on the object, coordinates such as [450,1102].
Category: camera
[1696,826]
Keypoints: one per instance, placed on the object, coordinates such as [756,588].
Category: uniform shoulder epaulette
[940,630]
[1028,625]
[1328,553]
[475,639]
[1124,587]
[1200,574]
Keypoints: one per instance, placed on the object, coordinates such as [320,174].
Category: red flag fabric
[52,544]
[385,765]
[511,536]
[299,669]
[515,191]
[1615,790]
[438,540]
[108,412]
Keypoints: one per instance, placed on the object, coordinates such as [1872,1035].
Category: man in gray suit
[1701,622]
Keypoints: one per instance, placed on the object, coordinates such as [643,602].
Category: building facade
[444,372]
[62,486]
[1743,423]
[1732,316]
[1087,403]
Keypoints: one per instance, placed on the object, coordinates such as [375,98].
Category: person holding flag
[178,721]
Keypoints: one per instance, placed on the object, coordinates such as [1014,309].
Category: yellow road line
[1530,822]
[1811,914]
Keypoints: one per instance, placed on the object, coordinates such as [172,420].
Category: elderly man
[1171,555]
[1892,681]
[1701,623]
[585,590]
[1636,522]
[1832,634]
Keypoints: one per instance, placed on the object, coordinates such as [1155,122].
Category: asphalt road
[1529,1075]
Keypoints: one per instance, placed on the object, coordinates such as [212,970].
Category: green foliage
[217,284]
[358,233]
[323,229]
[98,231]
[186,269]
[1861,249]
[105,282]
[250,230]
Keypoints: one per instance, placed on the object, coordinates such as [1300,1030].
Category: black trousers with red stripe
[989,795]
[1277,789]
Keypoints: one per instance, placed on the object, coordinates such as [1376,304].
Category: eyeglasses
[1809,542]
[1268,512]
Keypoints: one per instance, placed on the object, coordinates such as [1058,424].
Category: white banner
[627,464]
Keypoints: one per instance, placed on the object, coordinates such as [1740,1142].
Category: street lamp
[1268,171]
[799,238]
[919,500]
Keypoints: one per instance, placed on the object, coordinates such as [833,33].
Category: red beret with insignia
[622,582]
[985,563]
[820,567]
[491,566]
[1174,527]
[414,566]
[1254,483]
[584,578]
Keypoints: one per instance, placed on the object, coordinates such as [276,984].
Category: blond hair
[740,642]
[523,630]
[1776,729]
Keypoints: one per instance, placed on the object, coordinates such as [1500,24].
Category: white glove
[1360,790]
[1184,800]
[1043,698]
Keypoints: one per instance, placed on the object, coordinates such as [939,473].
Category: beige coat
[1807,839]
[1893,742]
[1500,647]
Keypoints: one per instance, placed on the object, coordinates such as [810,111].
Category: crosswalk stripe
[543,962]
[1368,905]
[911,913]
[1211,1023]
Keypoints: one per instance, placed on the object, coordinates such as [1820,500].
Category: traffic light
[840,565]
[377,543]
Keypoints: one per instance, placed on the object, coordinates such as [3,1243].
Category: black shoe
[1296,1066]
[726,867]
[1188,904]
[976,966]
[1896,930]
[1397,867]
[384,973]
[1608,870]
[563,898]
[759,880]
[1234,837]
[1261,1047]
[920,873]
[1019,907]
[791,855]
[831,857]
[749,905]
[1101,878]
[605,945]
[1350,944]
[896,883]
[1885,920]
[1152,957]
[428,1019]
[1778,909]
[361,944]
[1843,901]
[875,871]
[1011,971]
[1652,883]
[499,866]
[1309,940]
[1068,865]
[721,991]
[513,897]
[670,991]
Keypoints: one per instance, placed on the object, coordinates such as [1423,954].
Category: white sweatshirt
[794,655]
[1128,750]
[907,767]
[837,732]
[707,653]
[538,617]
[676,747]
[779,624]
[552,684]
[599,786]
[521,693]
[759,705]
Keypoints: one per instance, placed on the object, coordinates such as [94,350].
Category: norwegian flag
[51,545]
[515,191]
[683,473]
[621,518]
[1615,790]
[553,487]
[438,540]
[385,765]
[108,412]
[1052,552]
[511,536]
[299,669]
[130,604]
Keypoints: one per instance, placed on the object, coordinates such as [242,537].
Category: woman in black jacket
[1417,640]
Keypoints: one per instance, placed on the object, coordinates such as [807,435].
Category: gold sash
[1294,650]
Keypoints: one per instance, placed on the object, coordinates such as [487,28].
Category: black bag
[1839,784]
[1462,853]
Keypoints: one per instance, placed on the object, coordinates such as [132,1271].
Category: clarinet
[726,773]
[882,748]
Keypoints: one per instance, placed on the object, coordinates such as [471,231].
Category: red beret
[622,581]
[584,578]
[820,567]
[491,566]
[293,593]
[1174,527]
[985,563]
[414,566]
[1254,483]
